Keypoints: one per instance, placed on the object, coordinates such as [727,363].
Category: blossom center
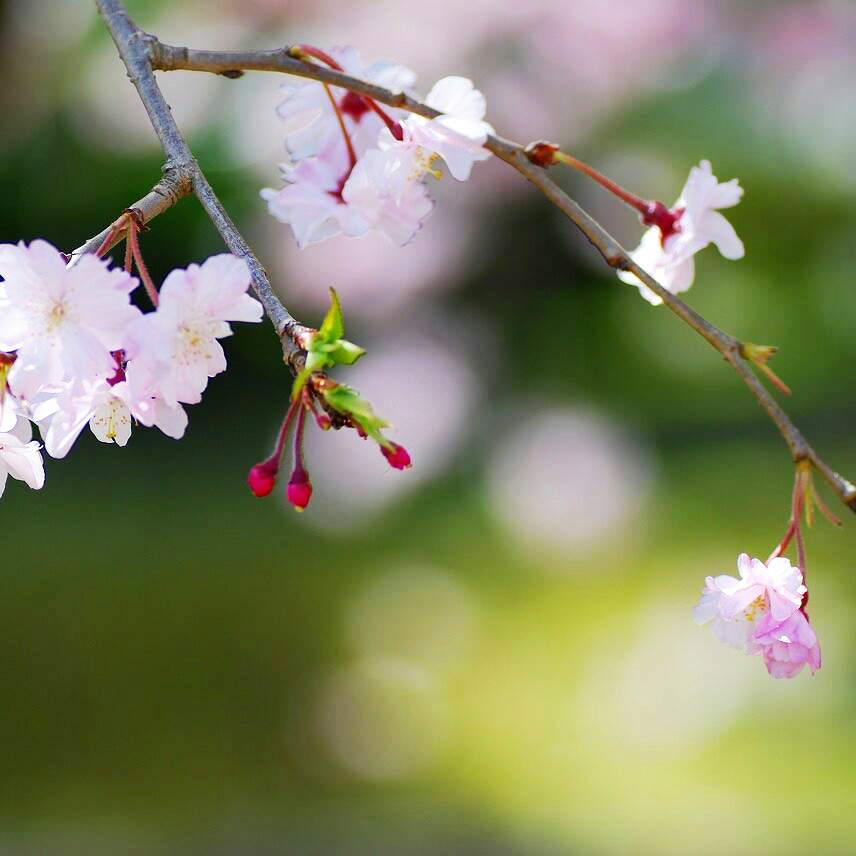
[193,341]
[424,162]
[354,106]
[666,220]
[757,605]
[55,316]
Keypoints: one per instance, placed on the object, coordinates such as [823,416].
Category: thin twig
[231,64]
[133,46]
[173,186]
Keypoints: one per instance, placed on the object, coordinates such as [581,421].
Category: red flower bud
[299,490]
[541,153]
[262,478]
[397,456]
[324,422]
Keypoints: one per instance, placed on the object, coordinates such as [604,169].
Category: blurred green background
[493,652]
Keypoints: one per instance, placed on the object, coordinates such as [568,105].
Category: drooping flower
[695,223]
[172,352]
[311,122]
[63,323]
[384,189]
[734,605]
[312,200]
[20,456]
[457,135]
[63,416]
[788,645]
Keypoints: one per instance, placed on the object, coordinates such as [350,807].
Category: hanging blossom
[311,122]
[668,248]
[62,323]
[175,349]
[352,171]
[762,612]
[74,351]
[457,135]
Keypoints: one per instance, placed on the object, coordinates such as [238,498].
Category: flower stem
[631,199]
[281,438]
[148,283]
[115,229]
[298,438]
[303,51]
[350,146]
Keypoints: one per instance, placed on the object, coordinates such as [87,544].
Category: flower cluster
[332,404]
[763,612]
[356,166]
[76,351]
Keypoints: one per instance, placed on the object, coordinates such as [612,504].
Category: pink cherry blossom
[775,588]
[94,403]
[457,135]
[384,188]
[62,322]
[310,120]
[699,223]
[174,351]
[787,645]
[312,201]
[20,456]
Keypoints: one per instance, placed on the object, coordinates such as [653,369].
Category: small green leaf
[333,326]
[345,353]
[346,400]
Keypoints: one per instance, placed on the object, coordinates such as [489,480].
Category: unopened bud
[397,456]
[541,153]
[324,422]
[299,490]
[262,478]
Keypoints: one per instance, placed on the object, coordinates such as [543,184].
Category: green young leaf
[344,353]
[347,401]
[333,326]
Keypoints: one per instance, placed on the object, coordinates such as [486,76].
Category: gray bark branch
[144,53]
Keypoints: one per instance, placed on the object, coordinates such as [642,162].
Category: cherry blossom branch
[233,64]
[134,49]
[173,186]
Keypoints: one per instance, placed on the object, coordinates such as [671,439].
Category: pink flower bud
[299,490]
[323,421]
[262,478]
[396,455]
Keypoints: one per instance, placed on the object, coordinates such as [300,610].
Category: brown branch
[232,64]
[134,49]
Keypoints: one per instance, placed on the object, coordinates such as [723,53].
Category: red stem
[115,228]
[783,544]
[298,440]
[129,258]
[317,53]
[148,282]
[351,155]
[631,199]
[279,449]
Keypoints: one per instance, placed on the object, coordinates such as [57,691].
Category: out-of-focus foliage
[492,652]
